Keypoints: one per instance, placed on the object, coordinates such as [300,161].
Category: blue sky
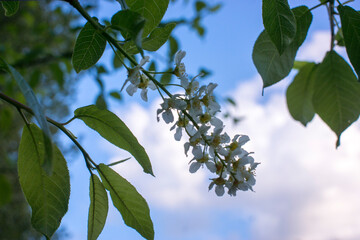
[305,188]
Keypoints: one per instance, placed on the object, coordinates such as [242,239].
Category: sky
[306,189]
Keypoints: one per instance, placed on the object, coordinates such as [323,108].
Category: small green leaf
[131,24]
[350,23]
[110,127]
[299,95]
[272,66]
[100,102]
[200,5]
[152,10]
[336,96]
[10,7]
[132,206]
[116,95]
[99,207]
[166,77]
[37,110]
[299,64]
[173,46]
[5,190]
[279,23]
[48,196]
[89,47]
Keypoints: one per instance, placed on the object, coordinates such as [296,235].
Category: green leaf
[152,10]
[350,23]
[48,196]
[37,110]
[336,96]
[110,127]
[131,24]
[101,102]
[99,207]
[157,38]
[10,7]
[200,5]
[128,201]
[299,95]
[279,23]
[271,66]
[5,190]
[116,95]
[89,47]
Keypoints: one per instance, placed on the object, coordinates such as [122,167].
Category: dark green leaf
[118,60]
[131,24]
[5,190]
[336,93]
[339,38]
[48,196]
[215,8]
[57,74]
[157,38]
[89,47]
[279,23]
[110,127]
[116,95]
[350,23]
[100,102]
[152,10]
[299,95]
[271,66]
[166,77]
[173,47]
[128,201]
[37,110]
[99,207]
[200,5]
[10,7]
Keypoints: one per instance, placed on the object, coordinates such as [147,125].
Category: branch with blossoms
[195,114]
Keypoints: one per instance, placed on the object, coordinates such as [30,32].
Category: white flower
[134,73]
[179,66]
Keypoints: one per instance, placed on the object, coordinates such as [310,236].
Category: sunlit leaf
[132,206]
[37,110]
[299,95]
[272,66]
[99,207]
[336,96]
[152,10]
[10,7]
[48,196]
[350,23]
[110,127]
[89,47]
[279,23]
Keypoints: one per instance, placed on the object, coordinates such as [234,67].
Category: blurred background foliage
[38,41]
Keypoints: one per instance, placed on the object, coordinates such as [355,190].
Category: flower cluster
[138,80]
[195,114]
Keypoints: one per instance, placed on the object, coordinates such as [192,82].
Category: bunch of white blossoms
[195,114]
